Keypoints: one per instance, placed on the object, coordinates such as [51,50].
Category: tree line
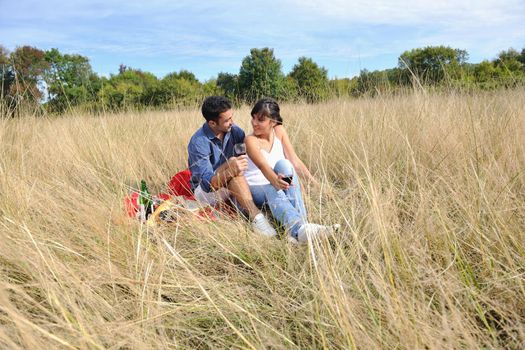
[447,68]
[38,81]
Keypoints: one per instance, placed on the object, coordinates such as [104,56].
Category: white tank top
[253,174]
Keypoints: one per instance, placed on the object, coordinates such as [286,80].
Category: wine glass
[288,179]
[239,149]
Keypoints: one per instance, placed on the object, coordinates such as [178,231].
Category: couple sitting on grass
[266,176]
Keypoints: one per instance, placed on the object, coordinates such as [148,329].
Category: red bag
[179,185]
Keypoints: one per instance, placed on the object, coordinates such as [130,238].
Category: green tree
[432,64]
[127,89]
[485,72]
[70,81]
[522,57]
[372,83]
[229,84]
[510,70]
[188,76]
[22,79]
[6,76]
[4,55]
[6,79]
[312,80]
[210,88]
[178,89]
[510,62]
[507,55]
[290,89]
[260,75]
[342,87]
[29,65]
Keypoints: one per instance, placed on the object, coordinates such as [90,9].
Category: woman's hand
[279,183]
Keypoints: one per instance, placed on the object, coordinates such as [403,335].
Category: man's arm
[199,162]
[234,166]
[201,167]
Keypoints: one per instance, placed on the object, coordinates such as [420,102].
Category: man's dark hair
[213,106]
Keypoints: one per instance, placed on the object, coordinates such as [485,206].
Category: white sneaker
[292,240]
[309,231]
[261,225]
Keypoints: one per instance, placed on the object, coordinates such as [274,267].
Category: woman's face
[262,125]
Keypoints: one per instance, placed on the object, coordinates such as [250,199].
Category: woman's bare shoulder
[250,140]
[280,131]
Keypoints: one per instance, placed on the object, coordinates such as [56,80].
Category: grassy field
[430,193]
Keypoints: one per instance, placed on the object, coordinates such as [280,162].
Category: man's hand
[233,167]
[237,165]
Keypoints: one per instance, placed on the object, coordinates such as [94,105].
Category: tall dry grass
[430,194]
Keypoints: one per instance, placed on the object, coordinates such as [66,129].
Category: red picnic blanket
[179,186]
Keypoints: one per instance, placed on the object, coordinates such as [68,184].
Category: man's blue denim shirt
[206,153]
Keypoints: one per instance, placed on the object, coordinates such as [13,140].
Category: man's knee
[237,181]
[238,185]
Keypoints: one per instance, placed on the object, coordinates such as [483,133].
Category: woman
[272,172]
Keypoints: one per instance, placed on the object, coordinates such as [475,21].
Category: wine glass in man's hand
[239,149]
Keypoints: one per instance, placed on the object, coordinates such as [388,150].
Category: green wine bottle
[145,202]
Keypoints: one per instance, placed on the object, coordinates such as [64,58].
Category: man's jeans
[287,206]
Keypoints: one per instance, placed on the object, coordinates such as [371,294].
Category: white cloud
[412,12]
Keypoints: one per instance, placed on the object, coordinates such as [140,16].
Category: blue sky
[161,36]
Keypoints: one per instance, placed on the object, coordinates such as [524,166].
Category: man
[217,173]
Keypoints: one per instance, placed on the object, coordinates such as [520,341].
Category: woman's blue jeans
[287,206]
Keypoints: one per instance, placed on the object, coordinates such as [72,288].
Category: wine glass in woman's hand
[239,149]
[288,179]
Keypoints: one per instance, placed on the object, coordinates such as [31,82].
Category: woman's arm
[290,154]
[252,148]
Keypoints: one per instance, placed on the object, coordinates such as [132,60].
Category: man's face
[224,123]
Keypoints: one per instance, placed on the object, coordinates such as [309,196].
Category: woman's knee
[284,167]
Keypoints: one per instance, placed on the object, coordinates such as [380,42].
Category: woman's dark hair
[213,106]
[269,108]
